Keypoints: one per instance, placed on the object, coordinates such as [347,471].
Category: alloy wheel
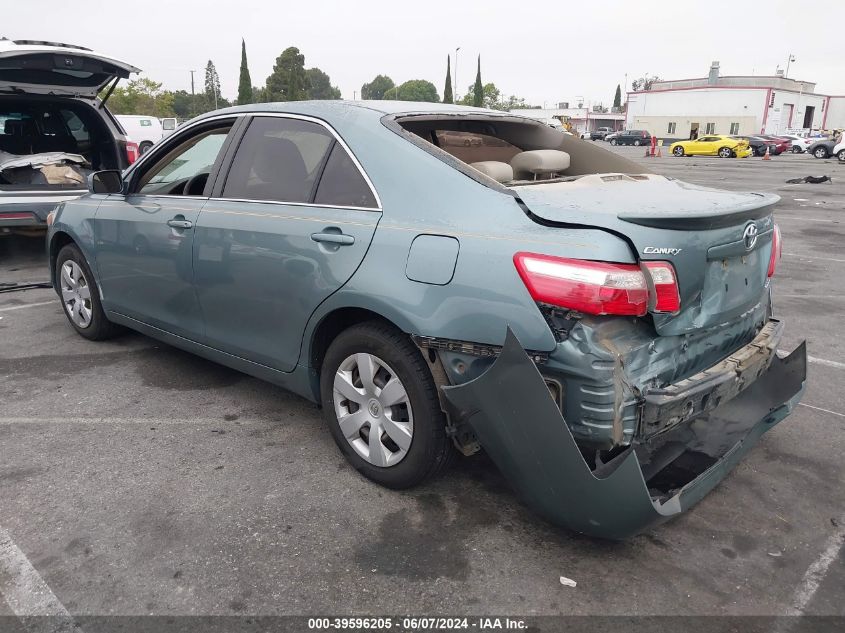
[725,152]
[373,409]
[76,294]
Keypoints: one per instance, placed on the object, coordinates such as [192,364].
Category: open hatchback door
[48,68]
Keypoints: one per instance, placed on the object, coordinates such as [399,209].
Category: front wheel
[796,149]
[613,141]
[382,408]
[678,151]
[80,296]
[725,152]
[821,152]
[637,142]
[144,147]
[841,155]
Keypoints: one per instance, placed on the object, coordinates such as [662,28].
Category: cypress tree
[478,89]
[447,90]
[244,83]
[617,98]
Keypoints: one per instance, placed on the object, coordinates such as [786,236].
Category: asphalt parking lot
[137,479]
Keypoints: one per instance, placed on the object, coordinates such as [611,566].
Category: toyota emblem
[749,236]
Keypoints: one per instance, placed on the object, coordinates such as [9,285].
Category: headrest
[497,170]
[539,162]
[13,126]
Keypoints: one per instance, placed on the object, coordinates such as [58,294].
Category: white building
[582,119]
[733,105]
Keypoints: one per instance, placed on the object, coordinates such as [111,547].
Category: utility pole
[789,60]
[192,91]
[455,80]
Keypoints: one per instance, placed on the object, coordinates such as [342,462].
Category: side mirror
[106,181]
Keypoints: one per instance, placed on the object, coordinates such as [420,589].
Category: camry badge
[655,250]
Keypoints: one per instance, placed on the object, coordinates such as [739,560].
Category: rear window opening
[52,143]
[508,149]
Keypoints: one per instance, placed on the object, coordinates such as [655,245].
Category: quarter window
[279,159]
[342,183]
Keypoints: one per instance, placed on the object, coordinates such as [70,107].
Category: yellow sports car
[712,145]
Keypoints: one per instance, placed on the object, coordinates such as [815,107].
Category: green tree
[478,88]
[259,94]
[244,81]
[212,86]
[289,81]
[320,85]
[377,87]
[186,105]
[617,98]
[644,83]
[414,90]
[142,96]
[447,89]
[490,97]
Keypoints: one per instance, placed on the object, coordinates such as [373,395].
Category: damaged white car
[54,129]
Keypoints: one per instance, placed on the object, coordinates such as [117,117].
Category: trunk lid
[718,241]
[31,67]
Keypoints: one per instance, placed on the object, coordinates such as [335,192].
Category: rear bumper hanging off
[524,432]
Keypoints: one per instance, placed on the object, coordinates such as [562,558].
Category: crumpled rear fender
[523,431]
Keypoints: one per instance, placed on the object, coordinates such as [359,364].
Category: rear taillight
[131,151]
[665,294]
[777,249]
[584,286]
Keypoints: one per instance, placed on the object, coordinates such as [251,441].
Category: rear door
[285,228]
[145,236]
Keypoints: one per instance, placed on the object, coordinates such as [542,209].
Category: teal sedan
[442,280]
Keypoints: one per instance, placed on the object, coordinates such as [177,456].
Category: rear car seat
[15,139]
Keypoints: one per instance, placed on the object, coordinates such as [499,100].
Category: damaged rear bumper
[524,432]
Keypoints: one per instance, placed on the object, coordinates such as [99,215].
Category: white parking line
[29,305]
[792,217]
[812,259]
[816,572]
[824,361]
[27,594]
[809,406]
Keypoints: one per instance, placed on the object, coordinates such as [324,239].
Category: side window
[75,125]
[184,166]
[278,159]
[146,123]
[342,183]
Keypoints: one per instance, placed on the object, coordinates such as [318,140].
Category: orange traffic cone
[658,152]
[766,155]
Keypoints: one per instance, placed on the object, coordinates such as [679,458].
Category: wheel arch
[58,241]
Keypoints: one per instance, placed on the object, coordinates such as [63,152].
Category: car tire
[841,155]
[760,151]
[637,142]
[678,151]
[796,149]
[613,141]
[80,296]
[144,147]
[390,355]
[726,152]
[820,152]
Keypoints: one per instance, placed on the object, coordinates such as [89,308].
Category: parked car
[781,143]
[822,148]
[712,145]
[799,144]
[53,128]
[146,130]
[629,137]
[758,145]
[839,151]
[599,134]
[602,332]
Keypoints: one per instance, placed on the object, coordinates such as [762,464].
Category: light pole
[789,60]
[455,80]
[192,91]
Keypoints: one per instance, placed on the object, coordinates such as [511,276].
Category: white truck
[146,130]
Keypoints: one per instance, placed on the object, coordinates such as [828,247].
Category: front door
[288,226]
[145,236]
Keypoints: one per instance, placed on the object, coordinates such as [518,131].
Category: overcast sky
[543,51]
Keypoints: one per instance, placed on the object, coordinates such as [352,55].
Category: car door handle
[333,238]
[180,224]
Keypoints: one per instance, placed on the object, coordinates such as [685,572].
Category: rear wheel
[637,142]
[796,149]
[820,152]
[382,408]
[760,150]
[841,156]
[144,147]
[678,151]
[725,152]
[81,297]
[613,141]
